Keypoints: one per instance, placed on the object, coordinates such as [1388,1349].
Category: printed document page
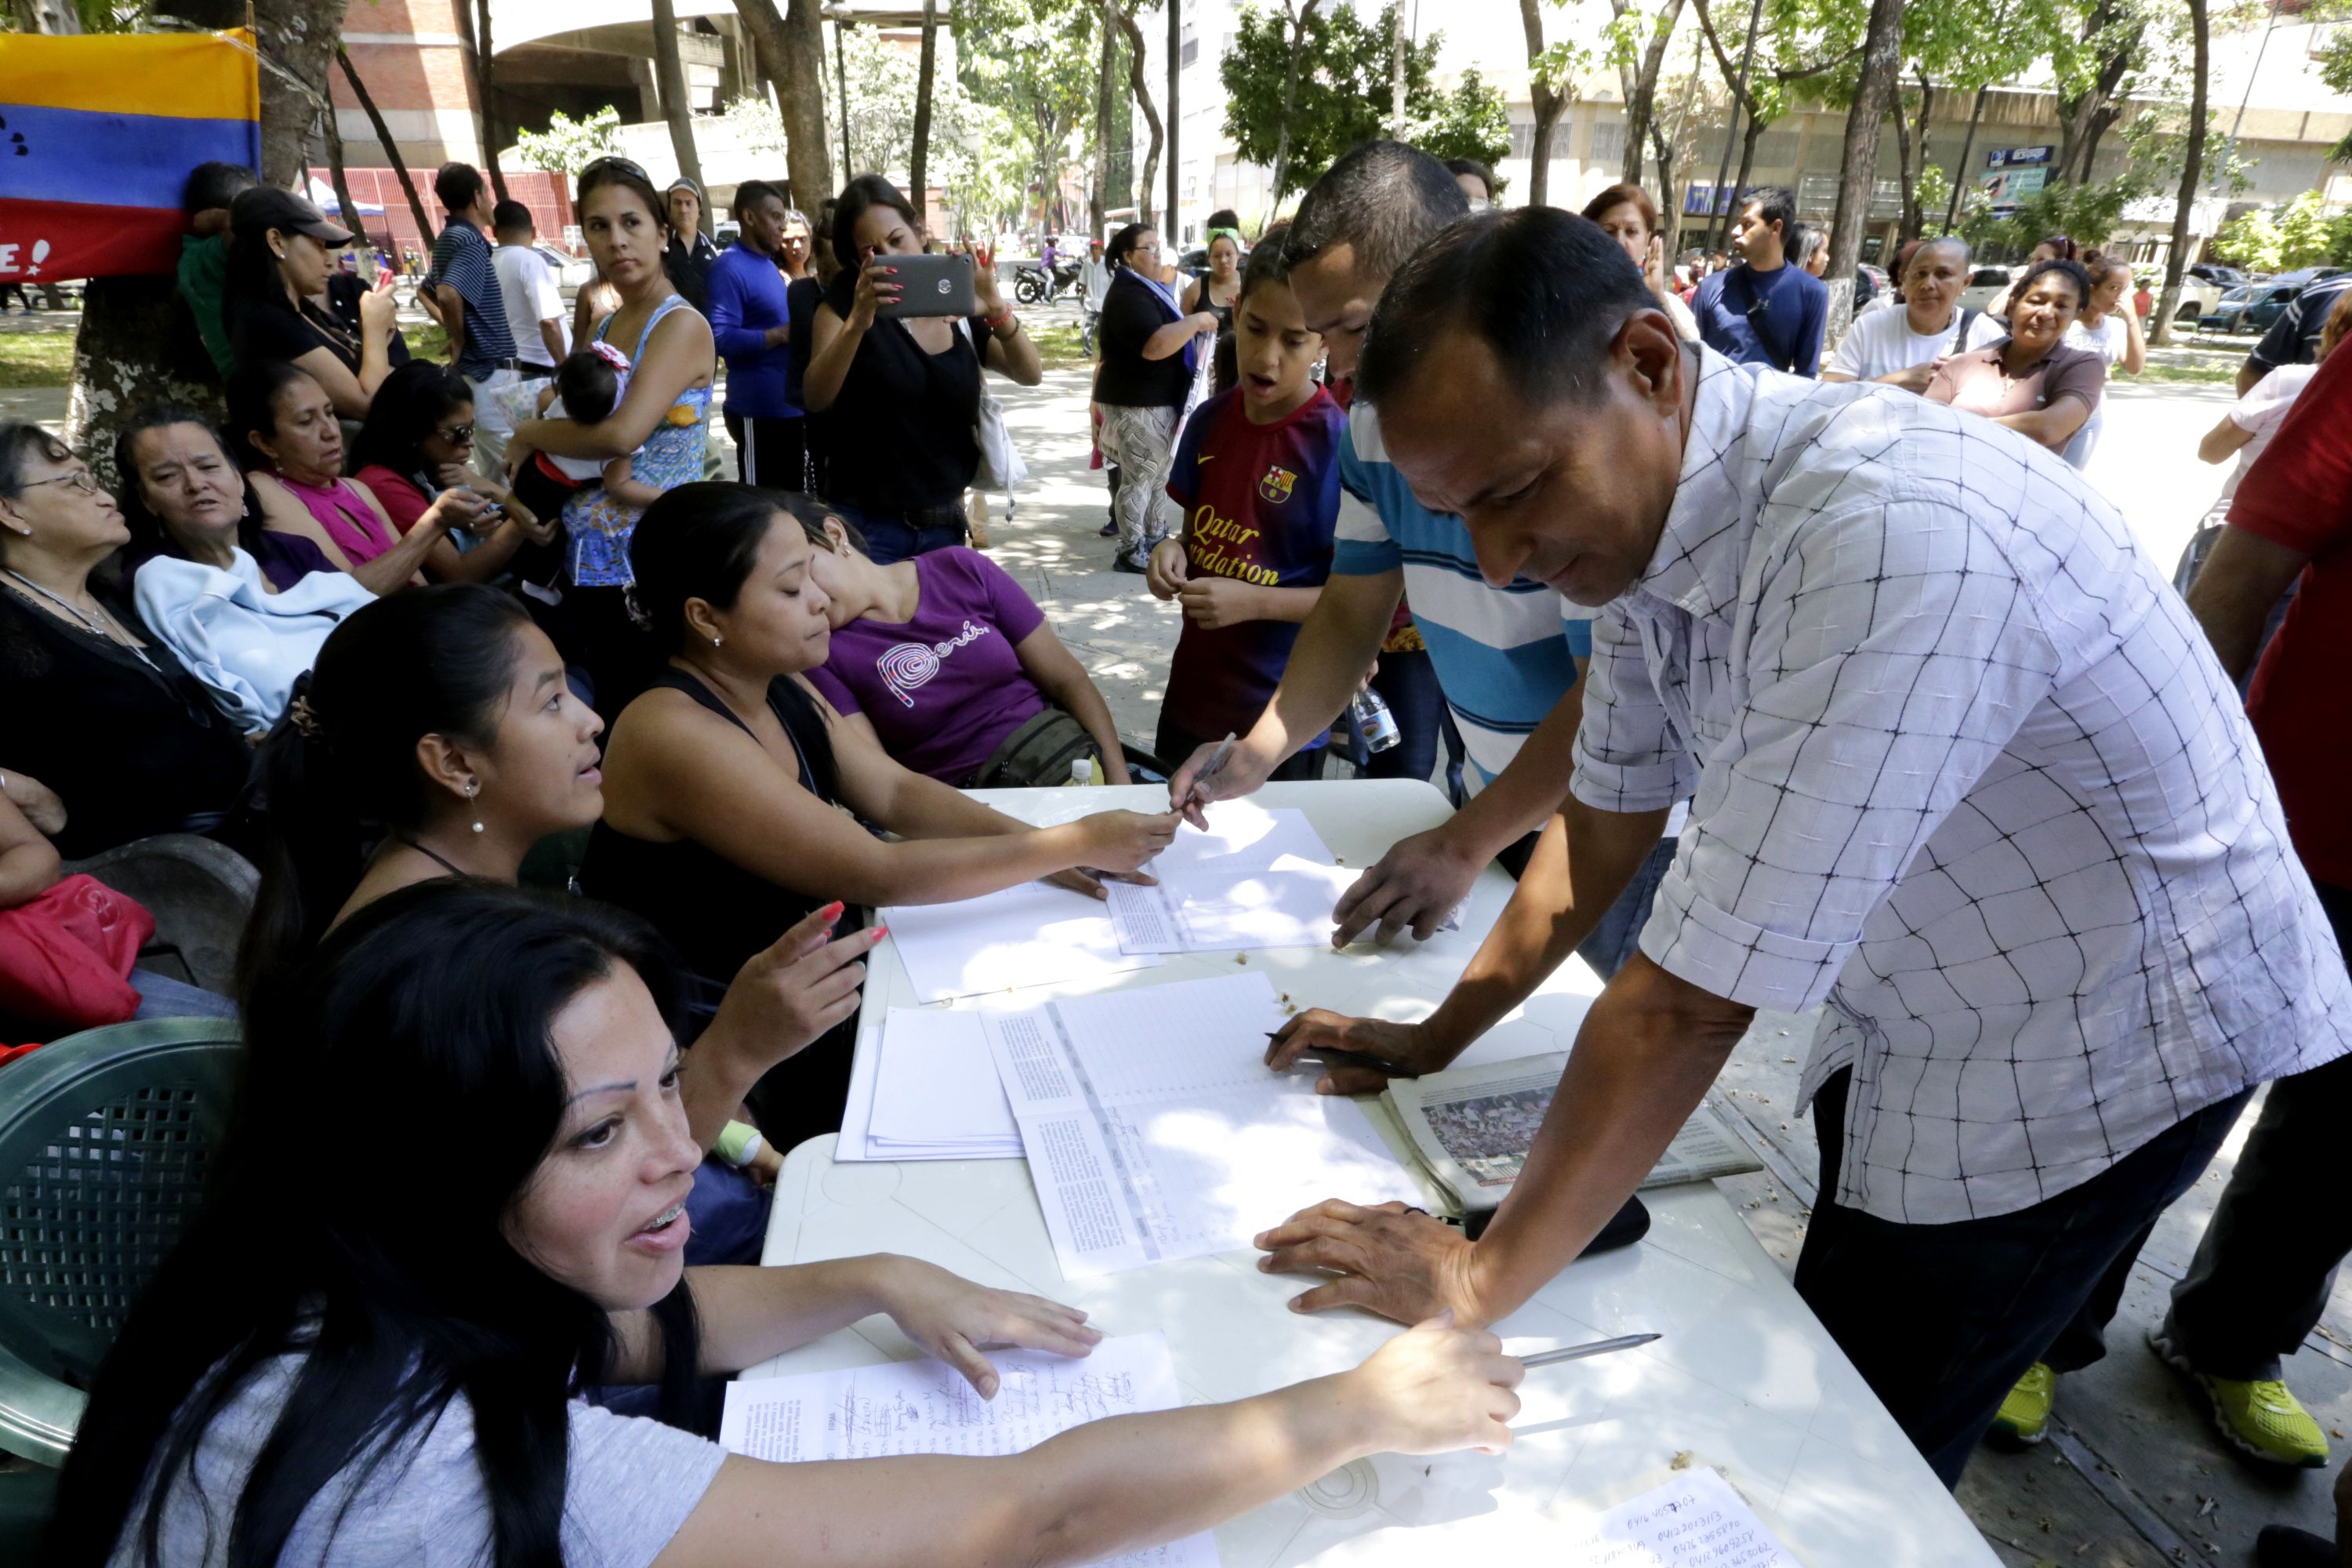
[1154,1129]
[936,1092]
[927,1407]
[1258,876]
[1696,1520]
[1029,935]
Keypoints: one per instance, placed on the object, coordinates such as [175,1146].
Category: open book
[1471,1127]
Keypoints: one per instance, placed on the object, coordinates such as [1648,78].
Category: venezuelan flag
[97,137]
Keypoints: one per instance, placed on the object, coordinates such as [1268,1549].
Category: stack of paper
[927,1407]
[925,1088]
[1258,877]
[1155,1130]
[1028,935]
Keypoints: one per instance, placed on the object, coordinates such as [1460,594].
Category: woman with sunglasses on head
[418,446]
[900,396]
[663,418]
[396,1375]
[98,707]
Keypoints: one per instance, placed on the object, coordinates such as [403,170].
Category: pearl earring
[473,788]
[715,641]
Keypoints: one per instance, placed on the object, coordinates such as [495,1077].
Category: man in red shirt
[2262,1274]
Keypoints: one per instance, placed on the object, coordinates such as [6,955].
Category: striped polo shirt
[1503,656]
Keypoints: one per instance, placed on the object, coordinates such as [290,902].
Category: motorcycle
[1031,284]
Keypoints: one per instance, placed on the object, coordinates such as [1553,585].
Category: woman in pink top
[293,447]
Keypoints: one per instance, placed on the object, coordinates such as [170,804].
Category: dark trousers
[902,536]
[1175,744]
[2262,1275]
[770,453]
[1942,1320]
[1611,944]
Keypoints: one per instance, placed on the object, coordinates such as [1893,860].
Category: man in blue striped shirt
[1506,658]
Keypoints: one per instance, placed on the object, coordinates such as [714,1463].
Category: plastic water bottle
[1374,722]
[1082,772]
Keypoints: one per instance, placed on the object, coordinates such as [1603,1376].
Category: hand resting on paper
[1319,1029]
[1418,883]
[1388,1259]
[953,1319]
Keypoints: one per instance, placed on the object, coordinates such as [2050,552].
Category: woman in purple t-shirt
[945,659]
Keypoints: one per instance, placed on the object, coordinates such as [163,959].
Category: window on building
[1608,143]
[1191,48]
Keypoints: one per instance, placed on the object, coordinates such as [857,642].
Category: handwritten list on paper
[1696,1520]
[927,1407]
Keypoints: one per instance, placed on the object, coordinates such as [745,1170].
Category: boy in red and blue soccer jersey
[1257,477]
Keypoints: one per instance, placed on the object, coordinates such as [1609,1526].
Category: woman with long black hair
[386,1366]
[722,781]
[437,738]
[417,444]
[277,270]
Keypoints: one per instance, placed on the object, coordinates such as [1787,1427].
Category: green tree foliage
[1343,93]
[2278,240]
[2335,71]
[2087,214]
[569,145]
[1034,62]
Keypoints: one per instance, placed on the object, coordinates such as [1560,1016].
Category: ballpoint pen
[1577,1353]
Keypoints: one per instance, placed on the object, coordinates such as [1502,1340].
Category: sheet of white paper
[937,1084]
[927,1407]
[1258,877]
[1154,1130]
[1028,935]
[1696,1520]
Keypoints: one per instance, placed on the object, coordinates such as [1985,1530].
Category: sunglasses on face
[460,435]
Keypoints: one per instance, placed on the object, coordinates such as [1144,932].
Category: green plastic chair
[106,1142]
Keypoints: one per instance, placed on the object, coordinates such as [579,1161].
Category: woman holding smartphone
[902,393]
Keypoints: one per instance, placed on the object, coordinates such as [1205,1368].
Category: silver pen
[1577,1353]
[1216,760]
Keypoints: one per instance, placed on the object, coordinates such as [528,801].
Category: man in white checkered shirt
[1965,770]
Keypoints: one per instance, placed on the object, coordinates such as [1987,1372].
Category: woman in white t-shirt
[1900,348]
[2107,327]
[380,1358]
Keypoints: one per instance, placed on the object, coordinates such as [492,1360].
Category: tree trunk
[1670,211]
[52,17]
[1719,215]
[1902,166]
[333,134]
[669,77]
[1546,104]
[1720,235]
[790,47]
[1960,175]
[1914,215]
[1105,105]
[1396,77]
[1142,91]
[2192,170]
[1882,60]
[841,95]
[918,159]
[485,86]
[2085,118]
[391,153]
[1290,95]
[1174,215]
[1641,90]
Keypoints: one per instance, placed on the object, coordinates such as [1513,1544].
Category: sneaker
[1128,563]
[2024,1416]
[2261,1417]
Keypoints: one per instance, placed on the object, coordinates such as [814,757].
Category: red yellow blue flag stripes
[97,137]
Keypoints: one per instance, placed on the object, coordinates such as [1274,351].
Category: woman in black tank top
[733,799]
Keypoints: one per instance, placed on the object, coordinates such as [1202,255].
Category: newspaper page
[1472,1129]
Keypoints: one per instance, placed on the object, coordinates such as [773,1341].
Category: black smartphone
[931,286]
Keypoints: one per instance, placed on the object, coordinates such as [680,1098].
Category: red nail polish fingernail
[832,911]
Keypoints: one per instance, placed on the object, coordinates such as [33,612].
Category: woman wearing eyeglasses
[663,418]
[417,443]
[98,707]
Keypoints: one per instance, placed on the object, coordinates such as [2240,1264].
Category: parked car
[2251,308]
[1985,285]
[571,271]
[2216,273]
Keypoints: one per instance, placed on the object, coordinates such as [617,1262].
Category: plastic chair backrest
[107,1140]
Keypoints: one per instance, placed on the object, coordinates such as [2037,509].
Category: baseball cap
[265,206]
[683,184]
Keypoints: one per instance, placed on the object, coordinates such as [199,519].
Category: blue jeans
[901,536]
[1612,943]
[161,996]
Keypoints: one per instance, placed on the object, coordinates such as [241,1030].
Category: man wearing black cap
[463,293]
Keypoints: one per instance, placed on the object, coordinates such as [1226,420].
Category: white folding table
[1744,1378]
